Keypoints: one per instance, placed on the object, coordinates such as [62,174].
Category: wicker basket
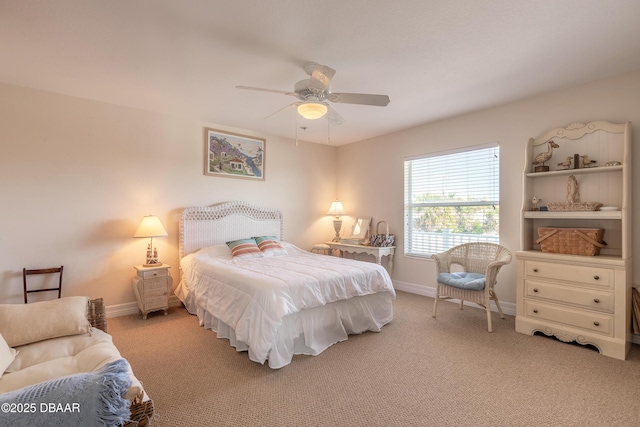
[571,241]
[96,314]
[382,240]
[141,413]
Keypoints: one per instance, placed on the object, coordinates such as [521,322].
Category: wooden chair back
[26,272]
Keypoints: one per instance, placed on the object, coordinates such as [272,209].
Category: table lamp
[151,227]
[336,210]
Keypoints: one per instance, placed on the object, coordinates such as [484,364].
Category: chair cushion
[469,281]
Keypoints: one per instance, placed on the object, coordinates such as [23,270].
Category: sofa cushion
[22,324]
[59,357]
[7,355]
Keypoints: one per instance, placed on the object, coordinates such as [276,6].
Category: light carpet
[418,371]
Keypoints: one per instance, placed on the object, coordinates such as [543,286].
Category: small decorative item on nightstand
[152,287]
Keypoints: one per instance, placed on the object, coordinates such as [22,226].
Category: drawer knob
[535,310]
[596,277]
[596,323]
[596,300]
[535,270]
[535,290]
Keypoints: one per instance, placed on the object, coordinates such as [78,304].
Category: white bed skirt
[309,331]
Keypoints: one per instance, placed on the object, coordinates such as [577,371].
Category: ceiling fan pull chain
[328,132]
[296,130]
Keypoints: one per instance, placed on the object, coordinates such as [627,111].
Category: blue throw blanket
[87,399]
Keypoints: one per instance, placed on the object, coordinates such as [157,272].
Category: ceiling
[434,58]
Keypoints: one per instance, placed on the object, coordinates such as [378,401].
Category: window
[451,198]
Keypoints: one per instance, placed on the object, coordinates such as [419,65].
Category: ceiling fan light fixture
[312,110]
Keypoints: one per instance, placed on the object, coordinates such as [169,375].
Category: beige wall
[77,176]
[371,172]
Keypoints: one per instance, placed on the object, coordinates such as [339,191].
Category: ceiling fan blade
[359,98]
[282,92]
[333,116]
[320,77]
[282,109]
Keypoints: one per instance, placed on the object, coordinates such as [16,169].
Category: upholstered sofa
[44,342]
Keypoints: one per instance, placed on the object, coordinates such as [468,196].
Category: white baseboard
[129,308]
[427,291]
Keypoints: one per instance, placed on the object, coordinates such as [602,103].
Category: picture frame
[233,155]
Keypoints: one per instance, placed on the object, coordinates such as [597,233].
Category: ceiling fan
[313,94]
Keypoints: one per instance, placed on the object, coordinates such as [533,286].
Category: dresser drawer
[593,276]
[591,321]
[150,274]
[588,298]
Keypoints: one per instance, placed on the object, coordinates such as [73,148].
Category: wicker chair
[483,259]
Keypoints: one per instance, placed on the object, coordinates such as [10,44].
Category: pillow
[269,246]
[216,251]
[7,354]
[26,323]
[244,248]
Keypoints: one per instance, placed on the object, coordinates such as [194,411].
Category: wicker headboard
[213,225]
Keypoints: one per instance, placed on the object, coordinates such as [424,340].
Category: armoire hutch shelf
[586,299]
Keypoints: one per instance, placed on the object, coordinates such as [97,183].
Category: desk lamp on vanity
[336,209]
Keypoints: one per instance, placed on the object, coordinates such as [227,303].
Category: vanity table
[376,251]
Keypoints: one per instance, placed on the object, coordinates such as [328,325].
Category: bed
[286,302]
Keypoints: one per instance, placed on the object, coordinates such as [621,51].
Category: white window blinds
[451,198]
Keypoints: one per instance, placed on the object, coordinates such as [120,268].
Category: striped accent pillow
[269,246]
[245,248]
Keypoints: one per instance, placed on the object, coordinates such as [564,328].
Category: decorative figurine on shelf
[567,163]
[535,202]
[541,158]
[587,162]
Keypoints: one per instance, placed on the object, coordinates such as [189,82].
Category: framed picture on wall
[233,155]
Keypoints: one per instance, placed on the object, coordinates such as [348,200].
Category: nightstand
[152,287]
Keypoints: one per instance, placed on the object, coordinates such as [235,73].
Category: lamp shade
[150,227]
[336,209]
[312,110]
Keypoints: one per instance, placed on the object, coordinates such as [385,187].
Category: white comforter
[254,295]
